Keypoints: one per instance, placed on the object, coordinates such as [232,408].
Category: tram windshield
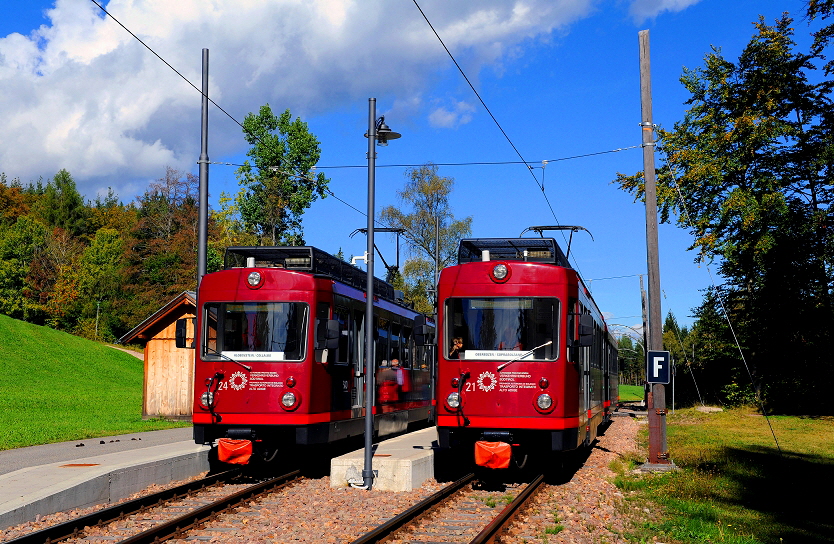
[255,331]
[501,328]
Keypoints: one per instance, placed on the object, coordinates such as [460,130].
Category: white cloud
[82,94]
[459,114]
[646,9]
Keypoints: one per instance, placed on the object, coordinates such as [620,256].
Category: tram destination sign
[658,364]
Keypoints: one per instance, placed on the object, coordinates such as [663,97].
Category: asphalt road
[11,460]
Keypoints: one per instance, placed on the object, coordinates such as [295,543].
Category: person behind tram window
[457,347]
[385,373]
[386,380]
[403,377]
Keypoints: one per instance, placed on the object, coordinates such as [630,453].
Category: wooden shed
[169,371]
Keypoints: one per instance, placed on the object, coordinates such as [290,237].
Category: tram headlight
[207,399]
[544,401]
[453,400]
[500,271]
[254,279]
[289,399]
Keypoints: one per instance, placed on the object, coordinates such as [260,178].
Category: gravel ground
[589,508]
[42,522]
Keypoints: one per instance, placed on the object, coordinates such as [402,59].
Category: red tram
[280,351]
[527,365]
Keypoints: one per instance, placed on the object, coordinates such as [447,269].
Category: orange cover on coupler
[493,454]
[235,452]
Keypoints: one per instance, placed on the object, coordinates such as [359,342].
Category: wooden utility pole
[658,453]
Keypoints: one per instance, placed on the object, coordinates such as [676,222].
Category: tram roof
[306,259]
[535,250]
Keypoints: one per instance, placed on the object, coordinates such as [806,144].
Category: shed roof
[145,330]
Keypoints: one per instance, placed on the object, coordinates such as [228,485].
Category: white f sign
[658,366]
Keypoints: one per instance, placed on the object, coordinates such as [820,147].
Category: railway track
[159,516]
[456,513]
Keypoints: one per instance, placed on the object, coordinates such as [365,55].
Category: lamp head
[383,133]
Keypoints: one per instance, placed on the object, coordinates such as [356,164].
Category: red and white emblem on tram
[237,381]
[486,381]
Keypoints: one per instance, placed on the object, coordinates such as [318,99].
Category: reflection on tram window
[503,324]
[263,331]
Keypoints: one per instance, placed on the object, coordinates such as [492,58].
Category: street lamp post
[378,132]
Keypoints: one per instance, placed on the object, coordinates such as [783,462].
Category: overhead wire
[329,191]
[481,100]
[481,163]
[483,103]
[168,64]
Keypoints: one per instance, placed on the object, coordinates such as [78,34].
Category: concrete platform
[81,482]
[401,464]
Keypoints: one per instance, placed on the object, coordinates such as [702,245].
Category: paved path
[137,354]
[11,460]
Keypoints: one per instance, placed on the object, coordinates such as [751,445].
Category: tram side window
[407,348]
[381,341]
[342,315]
[211,329]
[396,343]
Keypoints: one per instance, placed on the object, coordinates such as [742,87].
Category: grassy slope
[60,387]
[735,485]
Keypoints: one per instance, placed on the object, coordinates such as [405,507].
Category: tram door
[339,360]
[357,333]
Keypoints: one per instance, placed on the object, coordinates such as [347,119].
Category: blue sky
[560,76]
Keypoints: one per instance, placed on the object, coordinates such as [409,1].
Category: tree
[750,172]
[102,277]
[19,244]
[109,213]
[54,278]
[425,208]
[231,228]
[822,9]
[162,249]
[62,205]
[15,200]
[279,183]
[633,370]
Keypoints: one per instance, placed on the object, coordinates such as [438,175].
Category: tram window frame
[212,353]
[453,329]
[408,346]
[343,316]
[382,332]
[395,342]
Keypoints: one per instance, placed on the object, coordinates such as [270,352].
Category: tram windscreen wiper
[247,367]
[523,355]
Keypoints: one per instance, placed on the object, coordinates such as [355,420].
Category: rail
[74,527]
[178,526]
[508,514]
[398,521]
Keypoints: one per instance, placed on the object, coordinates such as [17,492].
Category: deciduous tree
[750,172]
[424,209]
[278,181]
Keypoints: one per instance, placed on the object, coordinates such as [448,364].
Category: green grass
[631,392]
[59,387]
[734,484]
